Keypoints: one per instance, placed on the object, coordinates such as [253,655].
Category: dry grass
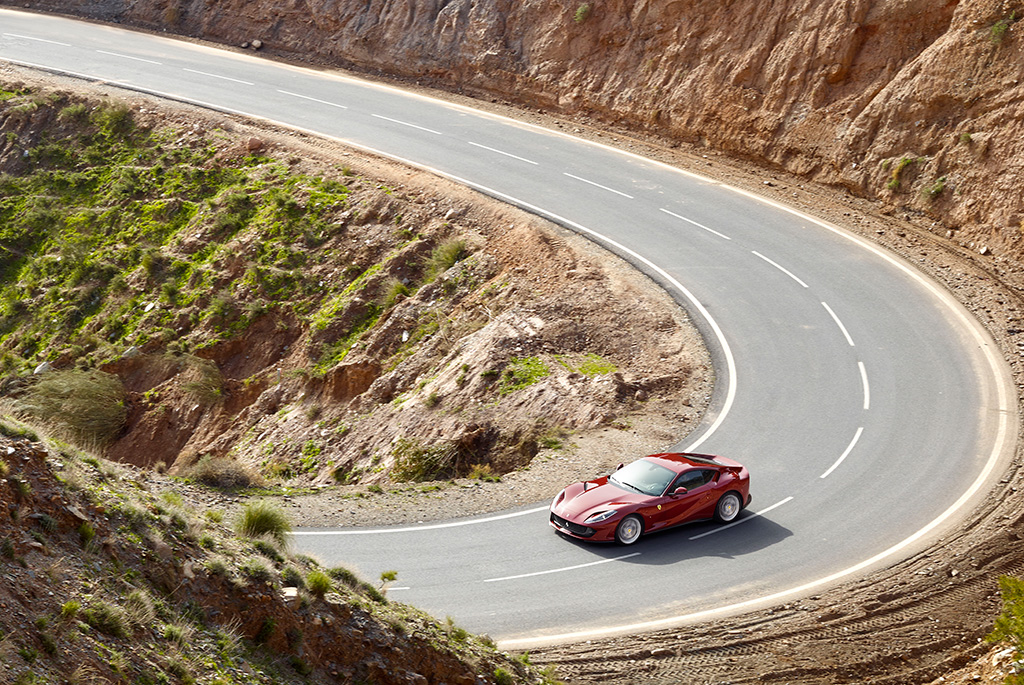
[223,473]
[87,407]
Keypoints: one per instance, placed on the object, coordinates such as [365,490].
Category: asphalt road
[870,408]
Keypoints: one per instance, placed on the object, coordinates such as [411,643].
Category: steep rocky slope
[105,581]
[307,320]
[914,103]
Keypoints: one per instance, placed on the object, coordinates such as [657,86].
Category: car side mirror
[619,467]
[679,491]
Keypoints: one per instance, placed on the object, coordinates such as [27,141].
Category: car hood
[596,494]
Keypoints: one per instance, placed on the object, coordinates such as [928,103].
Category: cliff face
[914,102]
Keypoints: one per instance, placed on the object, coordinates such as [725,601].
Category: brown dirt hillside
[105,582]
[916,104]
[318,344]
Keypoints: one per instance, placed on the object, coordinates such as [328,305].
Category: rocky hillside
[917,104]
[104,581]
[243,309]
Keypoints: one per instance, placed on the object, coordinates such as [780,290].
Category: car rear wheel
[728,508]
[629,530]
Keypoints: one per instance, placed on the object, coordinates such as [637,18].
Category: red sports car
[652,493]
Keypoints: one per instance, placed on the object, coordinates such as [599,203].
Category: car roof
[680,461]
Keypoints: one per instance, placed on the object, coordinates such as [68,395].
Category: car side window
[691,480]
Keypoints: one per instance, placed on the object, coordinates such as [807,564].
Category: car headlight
[601,516]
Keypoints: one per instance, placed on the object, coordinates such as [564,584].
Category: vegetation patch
[522,372]
[589,364]
[417,462]
[85,406]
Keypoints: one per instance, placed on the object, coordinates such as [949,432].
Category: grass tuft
[86,406]
[263,518]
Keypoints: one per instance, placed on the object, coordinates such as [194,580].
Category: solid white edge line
[598,185]
[223,78]
[846,453]
[560,570]
[132,57]
[502,152]
[867,389]
[780,268]
[406,123]
[41,40]
[306,97]
[838,323]
[1002,384]
[709,230]
[727,526]
[412,529]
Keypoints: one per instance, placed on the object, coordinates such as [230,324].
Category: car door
[700,490]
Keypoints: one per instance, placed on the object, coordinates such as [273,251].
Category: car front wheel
[629,529]
[728,508]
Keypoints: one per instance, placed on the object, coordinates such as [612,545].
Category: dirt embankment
[402,329]
[916,103]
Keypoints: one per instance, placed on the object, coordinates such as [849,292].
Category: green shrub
[268,550]
[86,533]
[933,190]
[106,618]
[139,609]
[256,569]
[263,518]
[319,583]
[266,630]
[1000,28]
[483,472]
[217,566]
[443,257]
[290,577]
[503,677]
[69,609]
[582,13]
[394,290]
[205,382]
[345,576]
[1009,625]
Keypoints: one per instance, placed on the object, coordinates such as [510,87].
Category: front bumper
[569,528]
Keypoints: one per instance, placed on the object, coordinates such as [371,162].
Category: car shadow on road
[749,534]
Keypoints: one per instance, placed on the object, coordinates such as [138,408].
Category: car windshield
[643,476]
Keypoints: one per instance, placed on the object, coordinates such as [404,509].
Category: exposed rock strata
[839,92]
